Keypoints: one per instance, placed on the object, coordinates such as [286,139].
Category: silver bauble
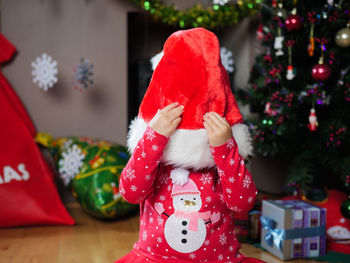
[342,38]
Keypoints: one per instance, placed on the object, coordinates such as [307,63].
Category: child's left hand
[218,129]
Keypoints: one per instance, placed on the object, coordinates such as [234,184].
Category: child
[187,167]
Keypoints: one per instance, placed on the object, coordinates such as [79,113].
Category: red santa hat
[189,188]
[190,72]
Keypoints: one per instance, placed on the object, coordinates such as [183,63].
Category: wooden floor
[89,241]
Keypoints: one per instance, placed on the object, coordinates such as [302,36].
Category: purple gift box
[293,229]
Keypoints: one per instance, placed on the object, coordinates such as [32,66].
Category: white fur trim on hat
[190,148]
[242,136]
[179,176]
[156,59]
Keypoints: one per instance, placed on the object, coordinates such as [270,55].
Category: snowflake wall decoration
[83,74]
[44,71]
[226,59]
[71,163]
[220,2]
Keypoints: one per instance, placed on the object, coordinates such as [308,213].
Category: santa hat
[312,113]
[190,72]
[189,188]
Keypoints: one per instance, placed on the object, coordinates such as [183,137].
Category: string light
[198,15]
[147,5]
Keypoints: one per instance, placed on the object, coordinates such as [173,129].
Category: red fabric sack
[28,195]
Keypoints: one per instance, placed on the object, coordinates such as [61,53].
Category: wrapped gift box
[293,229]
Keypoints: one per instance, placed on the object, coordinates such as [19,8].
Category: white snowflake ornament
[226,59]
[83,74]
[71,163]
[44,71]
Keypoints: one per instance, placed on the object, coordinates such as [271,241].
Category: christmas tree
[300,88]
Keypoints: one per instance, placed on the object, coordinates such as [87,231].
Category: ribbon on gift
[273,235]
[276,236]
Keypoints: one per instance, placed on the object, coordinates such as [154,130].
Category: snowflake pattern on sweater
[192,222]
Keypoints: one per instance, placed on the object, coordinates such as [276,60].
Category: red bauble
[321,72]
[293,22]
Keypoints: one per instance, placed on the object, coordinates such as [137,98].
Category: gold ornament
[342,38]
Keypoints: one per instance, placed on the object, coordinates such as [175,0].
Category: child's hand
[218,129]
[166,120]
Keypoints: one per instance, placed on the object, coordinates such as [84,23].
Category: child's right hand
[166,120]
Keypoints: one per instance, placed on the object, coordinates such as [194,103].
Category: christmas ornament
[293,22]
[268,108]
[44,71]
[321,72]
[278,44]
[312,120]
[269,111]
[280,11]
[290,72]
[83,74]
[226,59]
[342,38]
[311,46]
[274,3]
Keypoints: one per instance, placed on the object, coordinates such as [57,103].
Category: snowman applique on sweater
[188,191]
[186,219]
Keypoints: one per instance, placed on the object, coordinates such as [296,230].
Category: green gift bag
[91,169]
